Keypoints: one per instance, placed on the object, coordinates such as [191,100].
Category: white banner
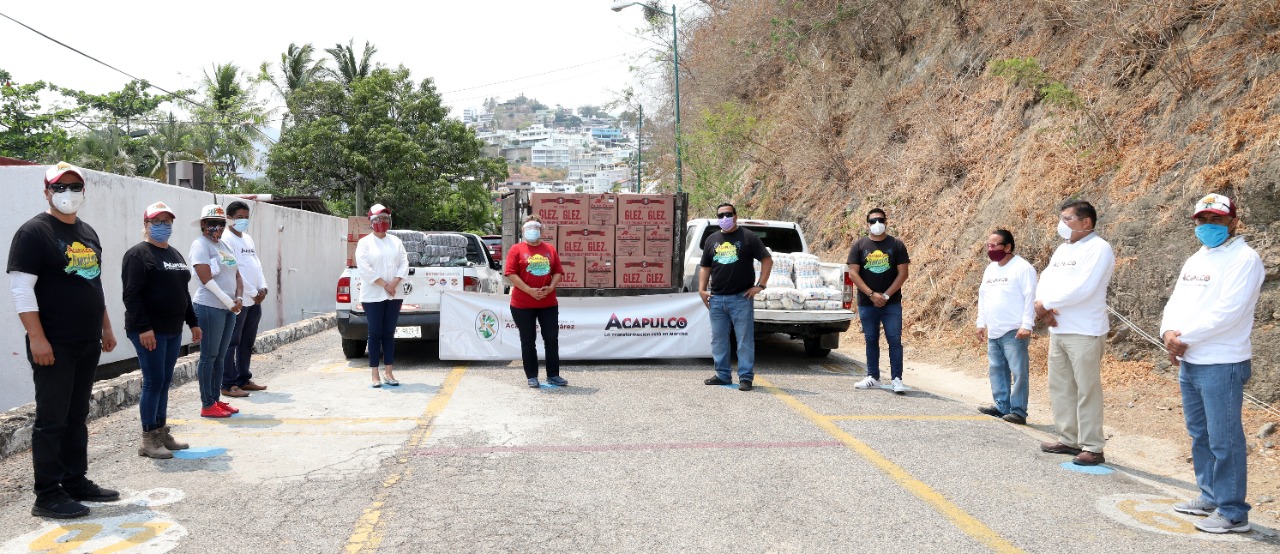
[478,326]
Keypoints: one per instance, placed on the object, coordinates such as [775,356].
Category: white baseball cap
[56,172]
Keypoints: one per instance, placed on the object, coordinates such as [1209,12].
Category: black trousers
[60,438]
[549,320]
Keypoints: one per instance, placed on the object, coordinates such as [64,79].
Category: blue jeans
[872,318]
[1212,398]
[382,317]
[236,371]
[157,375]
[737,313]
[216,325]
[1008,357]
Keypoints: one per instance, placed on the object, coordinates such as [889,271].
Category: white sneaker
[898,387]
[1216,523]
[867,382]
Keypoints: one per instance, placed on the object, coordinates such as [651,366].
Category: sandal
[376,385]
[391,382]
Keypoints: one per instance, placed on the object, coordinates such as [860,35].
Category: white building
[546,154]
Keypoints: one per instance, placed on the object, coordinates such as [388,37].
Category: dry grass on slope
[893,106]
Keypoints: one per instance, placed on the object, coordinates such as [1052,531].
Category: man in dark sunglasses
[55,276]
[878,266]
[728,285]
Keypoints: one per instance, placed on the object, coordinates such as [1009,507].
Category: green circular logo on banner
[487,325]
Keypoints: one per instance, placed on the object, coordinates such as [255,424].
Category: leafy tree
[713,150]
[390,137]
[25,131]
[588,112]
[117,123]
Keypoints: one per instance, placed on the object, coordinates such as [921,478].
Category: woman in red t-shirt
[533,267]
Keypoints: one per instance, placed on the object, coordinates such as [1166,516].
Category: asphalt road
[636,456]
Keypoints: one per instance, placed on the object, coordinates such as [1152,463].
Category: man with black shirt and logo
[55,277]
[728,286]
[878,266]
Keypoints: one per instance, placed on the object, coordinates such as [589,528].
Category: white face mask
[1063,230]
[877,228]
[68,202]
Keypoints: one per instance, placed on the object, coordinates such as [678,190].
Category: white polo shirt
[1075,284]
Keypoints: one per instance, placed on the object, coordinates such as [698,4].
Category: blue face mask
[532,235]
[160,232]
[240,225]
[1212,235]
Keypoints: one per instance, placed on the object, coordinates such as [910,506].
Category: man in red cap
[1206,329]
[55,277]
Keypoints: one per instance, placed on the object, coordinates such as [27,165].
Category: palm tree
[231,115]
[170,141]
[349,69]
[297,69]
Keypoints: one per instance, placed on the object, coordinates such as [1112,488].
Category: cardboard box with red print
[642,272]
[574,275]
[646,209]
[599,273]
[559,208]
[629,240]
[658,241]
[602,209]
[586,240]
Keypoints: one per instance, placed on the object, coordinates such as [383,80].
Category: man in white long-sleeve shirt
[1006,315]
[237,379]
[1206,329]
[1072,299]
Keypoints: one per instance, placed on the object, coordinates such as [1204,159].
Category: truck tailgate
[421,290]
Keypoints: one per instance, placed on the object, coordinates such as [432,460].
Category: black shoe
[744,385]
[59,506]
[91,492]
[715,381]
[991,411]
[1015,418]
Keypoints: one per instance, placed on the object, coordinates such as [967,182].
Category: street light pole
[618,5]
[639,146]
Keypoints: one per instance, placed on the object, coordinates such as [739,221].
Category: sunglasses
[213,224]
[877,220]
[726,215]
[62,187]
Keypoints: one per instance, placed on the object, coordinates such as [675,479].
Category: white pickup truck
[820,329]
[438,261]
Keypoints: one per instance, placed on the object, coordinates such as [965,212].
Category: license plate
[408,332]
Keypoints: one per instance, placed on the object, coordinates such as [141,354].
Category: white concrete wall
[302,254]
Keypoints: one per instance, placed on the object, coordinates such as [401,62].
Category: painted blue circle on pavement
[1091,470]
[198,452]
[733,386]
[548,386]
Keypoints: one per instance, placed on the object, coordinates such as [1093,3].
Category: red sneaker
[214,411]
[227,407]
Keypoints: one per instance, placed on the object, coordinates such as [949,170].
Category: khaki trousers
[1075,389]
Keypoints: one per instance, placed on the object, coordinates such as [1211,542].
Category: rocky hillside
[960,116]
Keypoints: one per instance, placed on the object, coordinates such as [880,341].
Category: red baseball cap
[378,209]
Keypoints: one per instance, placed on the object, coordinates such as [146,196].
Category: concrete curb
[121,392]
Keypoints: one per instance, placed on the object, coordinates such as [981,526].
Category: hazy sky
[466,46]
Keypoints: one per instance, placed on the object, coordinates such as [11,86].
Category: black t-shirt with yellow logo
[730,255]
[879,261]
[66,260]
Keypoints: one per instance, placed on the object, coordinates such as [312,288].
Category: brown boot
[166,438]
[152,448]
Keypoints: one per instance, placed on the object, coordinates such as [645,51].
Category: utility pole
[639,146]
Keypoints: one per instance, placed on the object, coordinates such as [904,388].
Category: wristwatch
[761,285]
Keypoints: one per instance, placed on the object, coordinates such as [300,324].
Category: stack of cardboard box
[619,240]
[357,227]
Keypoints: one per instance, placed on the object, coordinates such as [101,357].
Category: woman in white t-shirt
[382,263]
[216,302]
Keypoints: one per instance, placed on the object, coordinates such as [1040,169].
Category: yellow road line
[250,420]
[914,417]
[367,534]
[961,519]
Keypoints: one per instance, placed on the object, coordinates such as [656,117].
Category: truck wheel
[812,348]
[353,348]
